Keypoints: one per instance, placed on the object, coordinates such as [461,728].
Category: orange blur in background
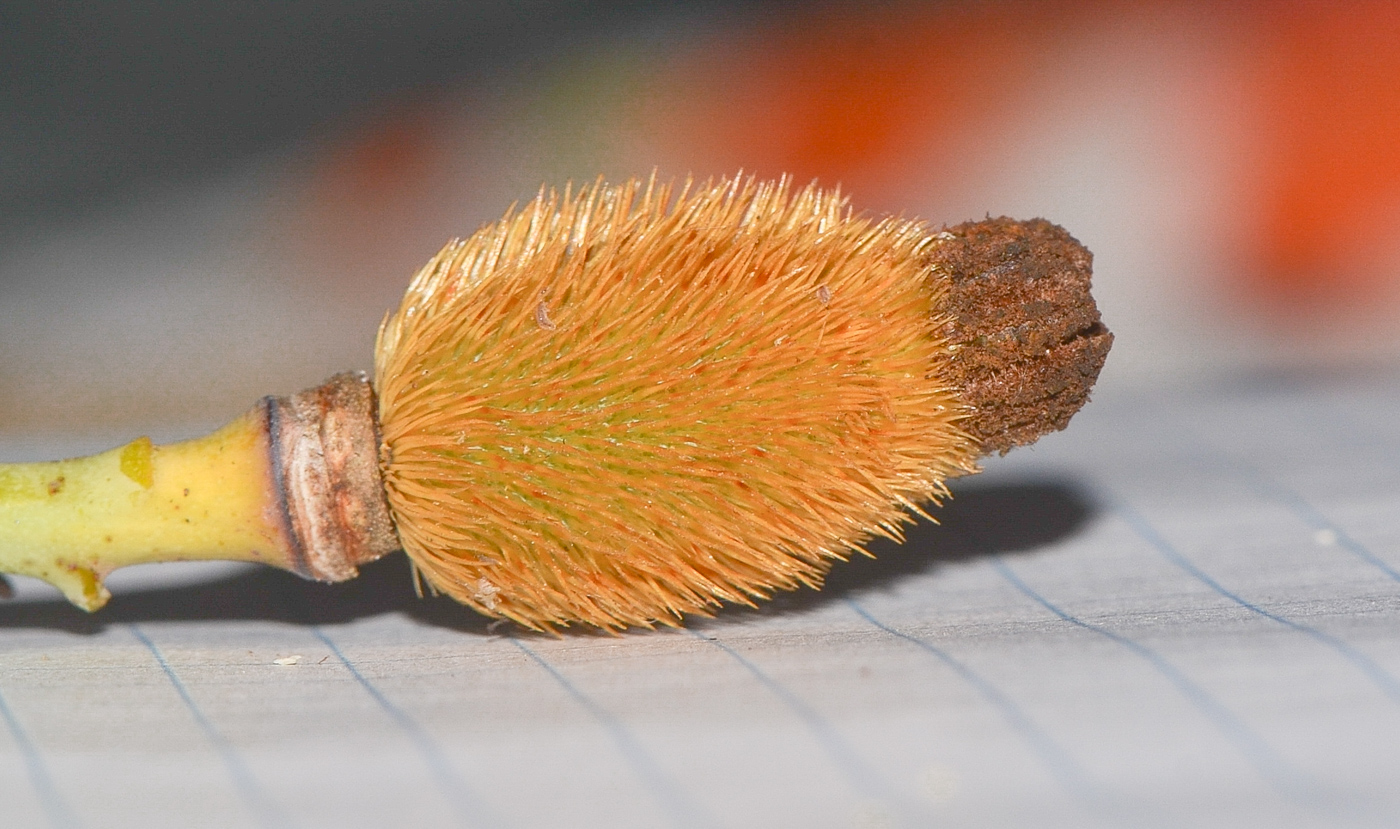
[1324,180]
[1235,168]
[1302,100]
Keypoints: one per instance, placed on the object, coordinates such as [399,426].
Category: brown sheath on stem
[323,448]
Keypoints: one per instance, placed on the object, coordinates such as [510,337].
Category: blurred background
[205,202]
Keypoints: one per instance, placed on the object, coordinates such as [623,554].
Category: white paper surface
[1183,611]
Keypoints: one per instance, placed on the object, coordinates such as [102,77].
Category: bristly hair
[623,405]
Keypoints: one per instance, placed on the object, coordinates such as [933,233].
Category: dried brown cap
[1026,335]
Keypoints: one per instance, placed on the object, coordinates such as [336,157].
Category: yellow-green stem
[72,522]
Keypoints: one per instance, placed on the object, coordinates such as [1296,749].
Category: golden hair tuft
[629,403]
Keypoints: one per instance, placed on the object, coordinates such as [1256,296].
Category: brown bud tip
[324,444]
[1026,336]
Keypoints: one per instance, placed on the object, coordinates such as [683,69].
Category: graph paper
[1183,611]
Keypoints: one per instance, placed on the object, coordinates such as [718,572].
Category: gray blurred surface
[101,99]
[156,158]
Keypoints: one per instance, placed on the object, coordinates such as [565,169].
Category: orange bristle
[624,405]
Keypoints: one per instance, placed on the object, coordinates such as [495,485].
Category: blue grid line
[1056,759]
[1382,679]
[59,813]
[1266,761]
[1308,514]
[470,811]
[862,777]
[679,807]
[257,800]
[1270,489]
